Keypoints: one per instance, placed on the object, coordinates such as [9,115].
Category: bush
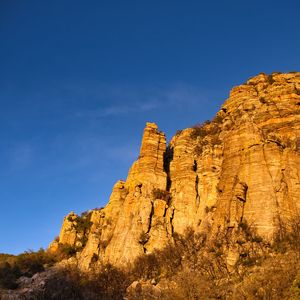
[287,236]
[208,134]
[26,264]
[206,128]
[170,259]
[147,267]
[217,119]
[64,284]
[8,276]
[189,285]
[262,100]
[200,130]
[65,251]
[161,194]
[271,79]
[83,224]
[108,283]
[30,263]
[192,266]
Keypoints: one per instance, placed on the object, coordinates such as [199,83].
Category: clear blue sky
[79,79]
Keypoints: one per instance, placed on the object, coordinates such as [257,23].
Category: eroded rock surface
[241,167]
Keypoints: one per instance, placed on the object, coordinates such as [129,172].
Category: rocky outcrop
[243,166]
[135,220]
[259,181]
[49,284]
[143,291]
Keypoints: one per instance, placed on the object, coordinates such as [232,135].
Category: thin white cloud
[180,94]
[87,150]
[126,153]
[21,156]
[116,110]
[120,100]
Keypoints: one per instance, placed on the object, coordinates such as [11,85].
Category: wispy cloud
[89,151]
[182,94]
[99,101]
[118,109]
[21,156]
[125,153]
[116,100]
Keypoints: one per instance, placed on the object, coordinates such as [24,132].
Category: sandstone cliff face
[242,167]
[259,180]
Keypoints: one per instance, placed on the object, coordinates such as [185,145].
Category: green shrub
[25,264]
[65,251]
[30,263]
[83,224]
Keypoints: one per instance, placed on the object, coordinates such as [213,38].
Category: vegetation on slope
[193,267]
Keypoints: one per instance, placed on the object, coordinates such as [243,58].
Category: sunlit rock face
[259,180]
[133,220]
[243,166]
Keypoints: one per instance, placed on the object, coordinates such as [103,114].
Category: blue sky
[79,79]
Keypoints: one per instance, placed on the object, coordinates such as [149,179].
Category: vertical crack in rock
[270,174]
[237,203]
[168,157]
[157,151]
[171,222]
[150,217]
[195,167]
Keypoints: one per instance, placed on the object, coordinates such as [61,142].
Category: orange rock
[244,166]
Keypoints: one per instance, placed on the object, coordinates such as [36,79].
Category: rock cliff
[243,166]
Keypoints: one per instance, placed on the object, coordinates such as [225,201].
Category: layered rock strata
[243,166]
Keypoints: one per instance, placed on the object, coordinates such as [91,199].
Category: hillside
[242,167]
[214,214]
